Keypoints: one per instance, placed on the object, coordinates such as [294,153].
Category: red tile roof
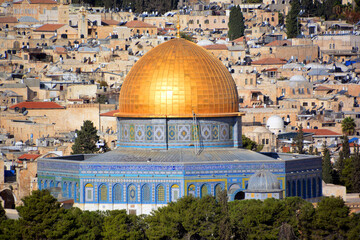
[139,24]
[216,47]
[38,2]
[8,20]
[60,50]
[240,39]
[269,61]
[49,27]
[321,132]
[110,22]
[37,105]
[28,156]
[109,114]
[279,43]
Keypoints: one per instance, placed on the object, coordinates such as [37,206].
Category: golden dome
[176,79]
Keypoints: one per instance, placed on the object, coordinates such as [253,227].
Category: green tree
[188,218]
[356,171]
[327,170]
[311,150]
[119,225]
[236,23]
[292,23]
[38,214]
[86,139]
[186,36]
[348,126]
[250,144]
[331,219]
[299,140]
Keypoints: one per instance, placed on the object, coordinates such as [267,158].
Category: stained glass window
[132,193]
[117,193]
[204,190]
[103,193]
[146,193]
[161,193]
[70,190]
[64,189]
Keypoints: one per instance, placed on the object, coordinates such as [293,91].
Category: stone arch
[217,189]
[233,191]
[239,195]
[8,198]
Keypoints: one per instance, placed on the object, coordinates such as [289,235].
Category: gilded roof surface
[176,79]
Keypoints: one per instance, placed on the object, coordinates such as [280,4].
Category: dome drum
[179,133]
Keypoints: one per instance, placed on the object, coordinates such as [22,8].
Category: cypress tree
[292,24]
[326,166]
[236,23]
[299,140]
[356,171]
[86,139]
[345,147]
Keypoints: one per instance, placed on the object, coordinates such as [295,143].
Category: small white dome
[298,78]
[275,124]
[314,65]
[263,181]
[205,42]
[221,41]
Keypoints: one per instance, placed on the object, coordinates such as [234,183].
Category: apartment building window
[223,21]
[305,104]
[267,141]
[206,21]
[246,81]
[197,21]
[214,20]
[251,81]
[42,36]
[313,104]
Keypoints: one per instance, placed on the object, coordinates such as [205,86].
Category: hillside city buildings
[63,63]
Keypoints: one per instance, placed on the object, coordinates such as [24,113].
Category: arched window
[70,190]
[51,184]
[131,193]
[218,190]
[314,188]
[204,190]
[288,189]
[160,193]
[303,188]
[191,190]
[319,187]
[89,192]
[146,193]
[175,192]
[65,189]
[298,186]
[103,193]
[308,188]
[293,188]
[76,192]
[45,184]
[117,193]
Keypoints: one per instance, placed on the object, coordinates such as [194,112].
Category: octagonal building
[179,133]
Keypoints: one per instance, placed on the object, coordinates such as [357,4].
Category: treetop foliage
[41,217]
[236,23]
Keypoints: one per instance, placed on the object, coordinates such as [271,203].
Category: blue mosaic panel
[132,193]
[215,132]
[117,193]
[194,132]
[146,196]
[206,132]
[140,133]
[132,132]
[184,133]
[172,133]
[224,132]
[159,133]
[125,134]
[149,133]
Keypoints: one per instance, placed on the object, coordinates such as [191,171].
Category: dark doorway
[8,199]
[239,196]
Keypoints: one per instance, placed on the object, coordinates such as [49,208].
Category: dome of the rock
[176,79]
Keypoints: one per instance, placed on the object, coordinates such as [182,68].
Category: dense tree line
[41,217]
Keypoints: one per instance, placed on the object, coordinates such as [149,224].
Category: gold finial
[178,25]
